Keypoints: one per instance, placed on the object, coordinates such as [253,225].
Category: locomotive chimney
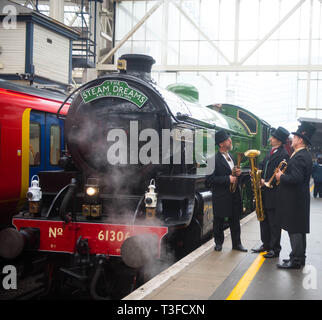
[139,65]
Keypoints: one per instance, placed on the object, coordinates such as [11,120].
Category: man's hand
[232,179]
[238,172]
[278,175]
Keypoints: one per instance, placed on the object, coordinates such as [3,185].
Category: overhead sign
[114,88]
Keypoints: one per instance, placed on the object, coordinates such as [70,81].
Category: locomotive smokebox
[139,250]
[136,64]
[114,126]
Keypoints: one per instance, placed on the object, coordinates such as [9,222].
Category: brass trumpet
[255,176]
[233,186]
[268,184]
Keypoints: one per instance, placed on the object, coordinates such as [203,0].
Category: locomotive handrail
[56,197]
[200,123]
[69,96]
[86,84]
[195,121]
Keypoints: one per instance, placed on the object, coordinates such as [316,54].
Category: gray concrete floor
[216,274]
[302,284]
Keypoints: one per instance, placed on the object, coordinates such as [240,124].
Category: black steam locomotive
[132,191]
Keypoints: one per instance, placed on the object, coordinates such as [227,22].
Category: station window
[248,121]
[34,144]
[54,145]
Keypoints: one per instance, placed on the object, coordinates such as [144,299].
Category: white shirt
[231,162]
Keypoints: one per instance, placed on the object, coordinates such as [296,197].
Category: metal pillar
[56,10]
[131,32]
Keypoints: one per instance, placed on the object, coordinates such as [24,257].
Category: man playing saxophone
[225,202]
[269,228]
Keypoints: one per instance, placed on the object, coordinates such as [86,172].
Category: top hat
[221,136]
[280,134]
[305,131]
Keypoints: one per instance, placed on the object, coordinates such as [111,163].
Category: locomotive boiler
[132,192]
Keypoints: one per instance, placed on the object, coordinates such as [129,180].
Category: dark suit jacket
[224,202]
[293,194]
[268,166]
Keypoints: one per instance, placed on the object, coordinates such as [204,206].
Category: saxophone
[233,186]
[255,176]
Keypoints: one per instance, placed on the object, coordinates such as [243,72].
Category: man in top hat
[294,196]
[225,203]
[269,228]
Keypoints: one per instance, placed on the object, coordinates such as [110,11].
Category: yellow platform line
[311,188]
[244,282]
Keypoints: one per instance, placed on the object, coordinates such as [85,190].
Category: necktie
[272,151]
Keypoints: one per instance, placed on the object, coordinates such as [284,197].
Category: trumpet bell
[268,185]
[252,153]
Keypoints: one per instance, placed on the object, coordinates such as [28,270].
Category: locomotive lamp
[91,191]
[34,195]
[151,198]
[91,208]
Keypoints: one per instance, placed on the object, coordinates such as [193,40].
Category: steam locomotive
[132,189]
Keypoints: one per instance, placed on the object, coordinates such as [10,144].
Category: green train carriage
[247,131]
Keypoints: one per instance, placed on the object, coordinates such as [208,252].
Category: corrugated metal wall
[51,55]
[13,45]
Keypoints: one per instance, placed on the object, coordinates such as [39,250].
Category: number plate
[57,236]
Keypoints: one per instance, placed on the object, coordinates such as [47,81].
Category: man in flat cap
[269,228]
[294,196]
[225,203]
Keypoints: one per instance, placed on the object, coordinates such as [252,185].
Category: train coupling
[14,242]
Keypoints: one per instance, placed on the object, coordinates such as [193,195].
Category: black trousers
[234,225]
[271,231]
[298,245]
[317,189]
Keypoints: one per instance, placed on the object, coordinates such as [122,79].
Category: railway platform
[232,275]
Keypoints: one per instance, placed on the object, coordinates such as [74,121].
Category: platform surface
[209,275]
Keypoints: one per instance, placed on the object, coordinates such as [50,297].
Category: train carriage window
[265,135]
[248,121]
[54,145]
[34,144]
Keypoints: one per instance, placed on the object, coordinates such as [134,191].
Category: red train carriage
[31,139]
